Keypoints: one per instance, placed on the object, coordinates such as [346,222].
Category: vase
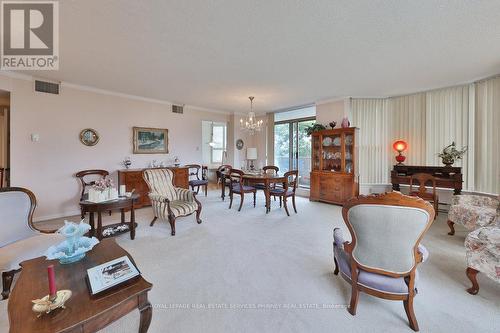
[345,123]
[447,161]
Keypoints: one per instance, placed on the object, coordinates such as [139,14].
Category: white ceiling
[214,54]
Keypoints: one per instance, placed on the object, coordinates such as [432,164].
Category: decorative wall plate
[239,144]
[327,141]
[336,141]
[89,137]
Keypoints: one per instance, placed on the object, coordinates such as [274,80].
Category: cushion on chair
[280,191]
[472,217]
[13,254]
[370,280]
[182,208]
[260,186]
[483,251]
[198,182]
[237,188]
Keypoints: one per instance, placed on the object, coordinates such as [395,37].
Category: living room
[219,149]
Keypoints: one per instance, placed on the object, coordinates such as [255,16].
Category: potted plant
[314,128]
[450,154]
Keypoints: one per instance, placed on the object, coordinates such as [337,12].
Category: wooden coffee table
[84,312]
[122,204]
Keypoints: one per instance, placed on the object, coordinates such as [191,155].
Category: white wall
[47,167]
[332,111]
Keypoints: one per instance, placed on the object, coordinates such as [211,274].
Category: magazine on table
[111,274]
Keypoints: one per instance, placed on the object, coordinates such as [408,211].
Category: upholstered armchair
[169,202]
[20,240]
[483,254]
[472,211]
[382,257]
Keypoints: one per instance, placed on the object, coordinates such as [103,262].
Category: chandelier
[251,124]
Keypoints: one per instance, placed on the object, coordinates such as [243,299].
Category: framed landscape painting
[150,140]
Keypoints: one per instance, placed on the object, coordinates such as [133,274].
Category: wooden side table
[122,204]
[84,312]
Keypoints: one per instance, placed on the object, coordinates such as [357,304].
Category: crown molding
[66,84]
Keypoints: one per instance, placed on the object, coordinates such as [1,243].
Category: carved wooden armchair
[194,177]
[221,173]
[169,202]
[20,240]
[382,257]
[424,179]
[84,176]
[287,190]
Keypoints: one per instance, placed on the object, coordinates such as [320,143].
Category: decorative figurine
[45,305]
[177,162]
[333,124]
[127,162]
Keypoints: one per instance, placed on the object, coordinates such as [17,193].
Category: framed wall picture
[150,140]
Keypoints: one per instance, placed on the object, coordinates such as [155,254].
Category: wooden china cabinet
[334,175]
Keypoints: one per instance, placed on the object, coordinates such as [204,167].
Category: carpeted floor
[251,272]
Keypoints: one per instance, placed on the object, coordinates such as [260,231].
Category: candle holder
[44,305]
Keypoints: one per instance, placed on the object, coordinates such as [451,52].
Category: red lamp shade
[400,146]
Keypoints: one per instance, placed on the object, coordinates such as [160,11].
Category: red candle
[52,281]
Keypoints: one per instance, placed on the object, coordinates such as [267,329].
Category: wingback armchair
[20,240]
[472,211]
[382,257]
[169,202]
[482,249]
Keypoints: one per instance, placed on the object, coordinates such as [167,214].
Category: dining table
[256,177]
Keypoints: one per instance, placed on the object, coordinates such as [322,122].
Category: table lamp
[400,146]
[251,156]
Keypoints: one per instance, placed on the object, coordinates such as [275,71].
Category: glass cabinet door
[316,151]
[349,152]
[332,152]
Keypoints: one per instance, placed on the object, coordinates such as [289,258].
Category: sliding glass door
[292,147]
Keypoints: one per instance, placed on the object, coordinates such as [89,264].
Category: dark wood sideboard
[446,177]
[132,179]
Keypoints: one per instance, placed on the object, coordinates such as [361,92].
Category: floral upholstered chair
[169,202]
[483,254]
[382,257]
[20,240]
[472,211]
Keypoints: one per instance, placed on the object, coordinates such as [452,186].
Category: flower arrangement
[450,154]
[103,184]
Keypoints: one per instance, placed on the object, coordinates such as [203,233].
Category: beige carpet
[251,272]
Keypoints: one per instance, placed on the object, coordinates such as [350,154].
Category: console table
[446,177]
[84,312]
[132,179]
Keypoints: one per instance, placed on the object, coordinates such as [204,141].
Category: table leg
[146,313]
[268,196]
[132,222]
[92,224]
[223,187]
[99,225]
[122,211]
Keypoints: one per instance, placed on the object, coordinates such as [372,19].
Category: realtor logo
[30,35]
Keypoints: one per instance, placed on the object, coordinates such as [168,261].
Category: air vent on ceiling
[177,108]
[47,87]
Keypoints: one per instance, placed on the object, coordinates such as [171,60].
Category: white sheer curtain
[371,116]
[487,137]
[407,122]
[447,120]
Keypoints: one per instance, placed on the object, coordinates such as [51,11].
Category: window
[214,145]
[292,147]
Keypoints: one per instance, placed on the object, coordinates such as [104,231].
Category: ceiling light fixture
[251,124]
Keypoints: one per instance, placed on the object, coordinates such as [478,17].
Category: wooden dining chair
[288,190]
[83,177]
[268,169]
[423,179]
[221,179]
[237,187]
[194,177]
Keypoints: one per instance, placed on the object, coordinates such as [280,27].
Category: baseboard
[57,216]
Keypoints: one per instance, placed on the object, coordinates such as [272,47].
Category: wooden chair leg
[336,269]
[354,301]
[110,213]
[286,207]
[153,222]
[7,278]
[206,189]
[198,212]
[410,313]
[82,215]
[241,202]
[293,202]
[472,275]
[254,195]
[452,228]
[280,202]
[171,220]
[230,200]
